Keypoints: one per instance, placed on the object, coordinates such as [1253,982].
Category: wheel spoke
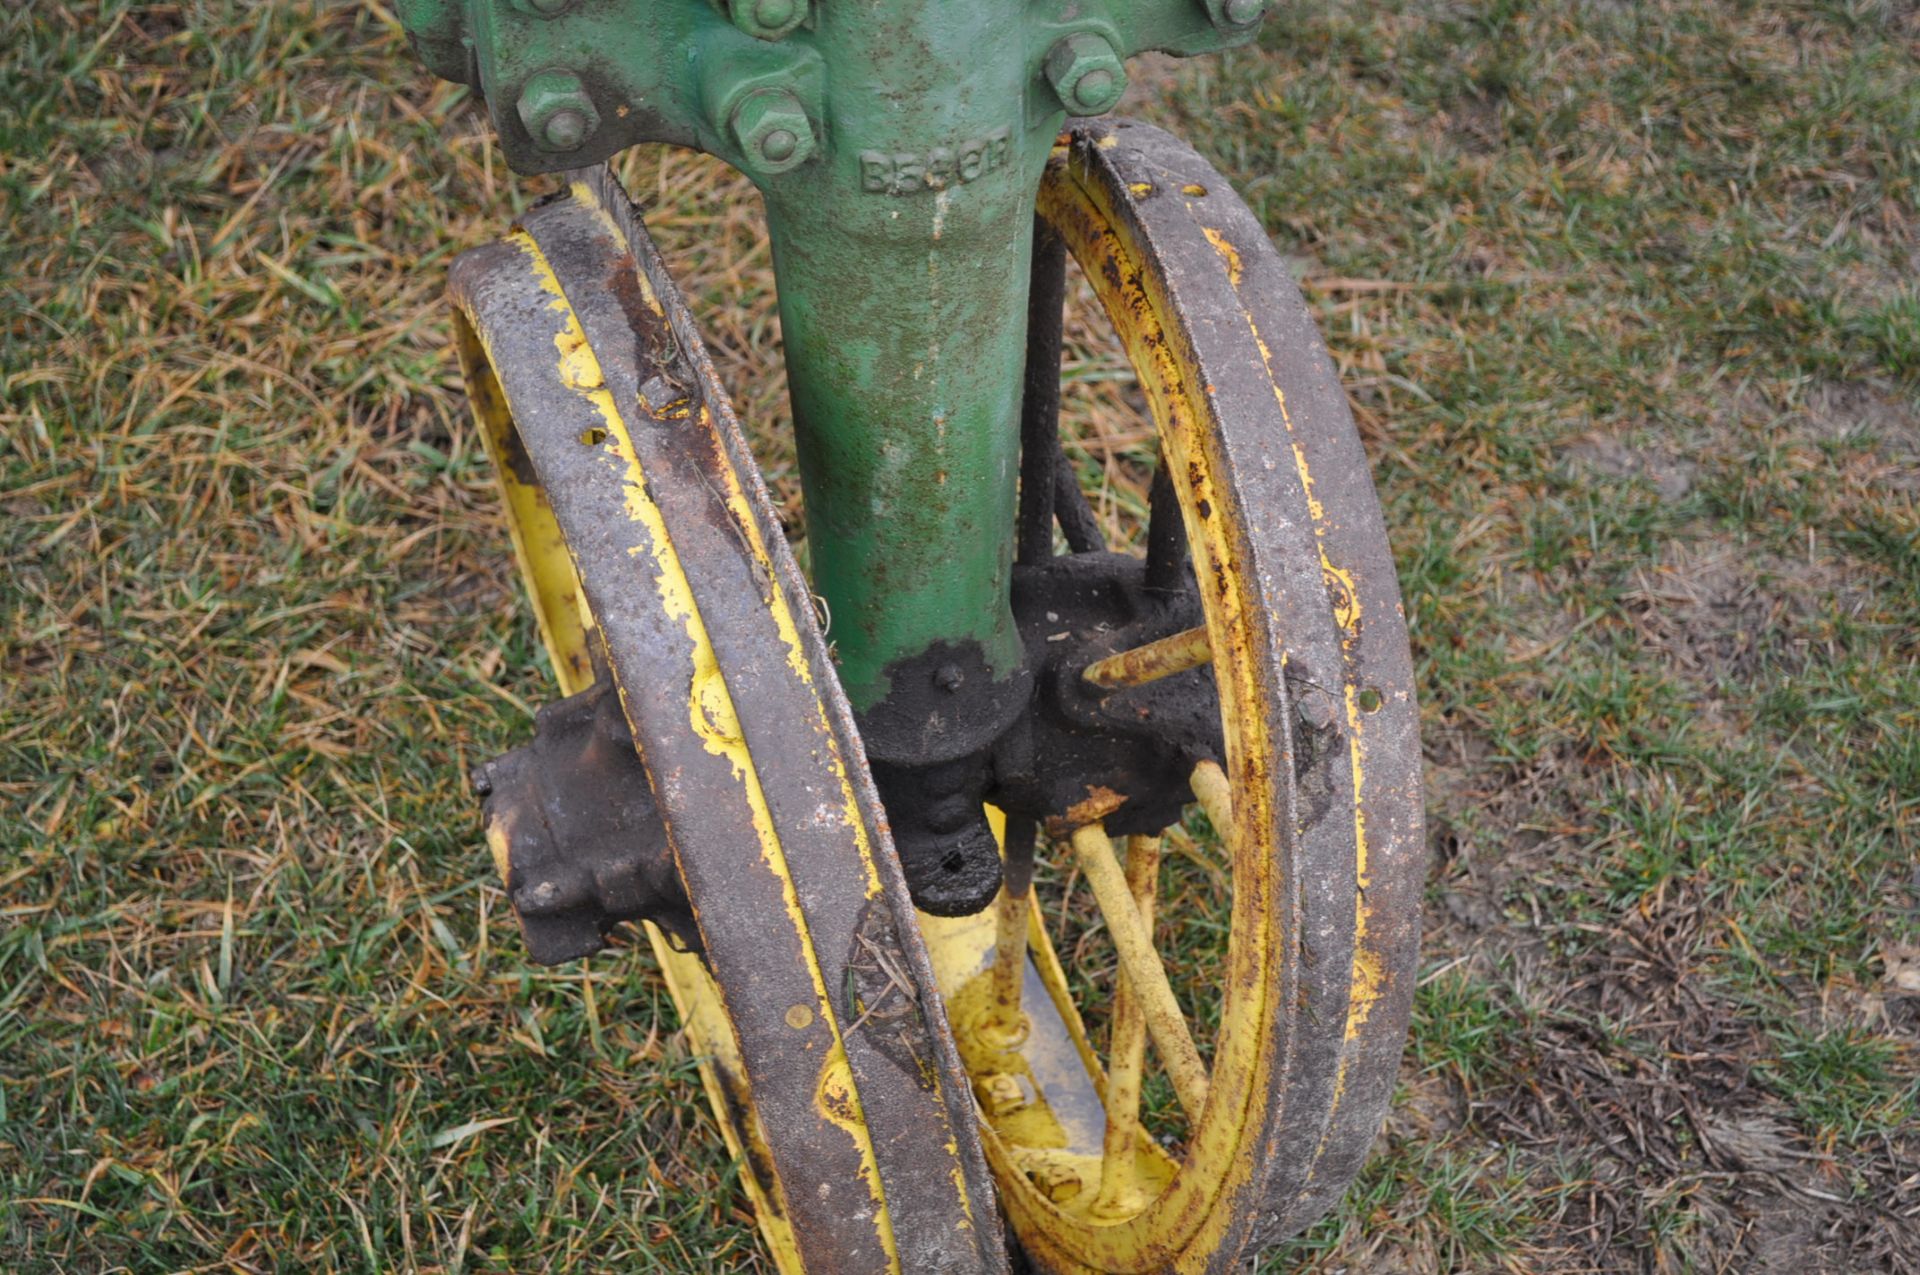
[1216,797]
[1077,520]
[1169,561]
[1048,488]
[1152,661]
[1040,401]
[1128,1052]
[1141,964]
[1010,931]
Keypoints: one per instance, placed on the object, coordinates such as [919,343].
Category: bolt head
[772,130]
[558,112]
[768,19]
[1242,12]
[1086,73]
[543,8]
[1316,709]
[779,145]
[564,130]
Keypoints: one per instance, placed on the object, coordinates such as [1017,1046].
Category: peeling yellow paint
[1367,979]
[564,620]
[1340,588]
[711,711]
[1315,509]
[1228,253]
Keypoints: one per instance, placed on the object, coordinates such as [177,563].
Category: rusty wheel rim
[1300,600]
[645,537]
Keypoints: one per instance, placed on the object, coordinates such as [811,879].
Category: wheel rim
[658,538]
[1298,592]
[563,620]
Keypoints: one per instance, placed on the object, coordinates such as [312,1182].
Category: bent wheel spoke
[1141,965]
[1078,523]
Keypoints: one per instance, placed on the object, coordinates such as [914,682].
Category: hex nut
[772,130]
[1057,1182]
[999,1094]
[1086,73]
[557,110]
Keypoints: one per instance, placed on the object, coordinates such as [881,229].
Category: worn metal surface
[1319,759]
[868,1148]
[1084,752]
[897,144]
[671,70]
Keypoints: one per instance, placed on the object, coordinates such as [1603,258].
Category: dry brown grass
[1624,295]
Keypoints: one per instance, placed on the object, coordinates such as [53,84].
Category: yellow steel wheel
[1316,799]
[652,556]
[560,611]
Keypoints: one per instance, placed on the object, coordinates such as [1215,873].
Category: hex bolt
[557,110]
[1242,12]
[767,19]
[772,130]
[1086,73]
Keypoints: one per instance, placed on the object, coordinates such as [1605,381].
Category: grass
[1625,297]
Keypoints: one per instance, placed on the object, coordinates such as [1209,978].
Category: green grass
[1625,296]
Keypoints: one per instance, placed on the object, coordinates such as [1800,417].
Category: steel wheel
[652,556]
[1263,480]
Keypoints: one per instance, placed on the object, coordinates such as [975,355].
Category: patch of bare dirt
[1872,420]
[1847,410]
[1720,613]
[1473,124]
[1639,1081]
[1670,474]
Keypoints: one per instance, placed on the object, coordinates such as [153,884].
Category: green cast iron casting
[898,145]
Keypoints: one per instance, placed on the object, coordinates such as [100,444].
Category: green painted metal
[902,266]
[898,145]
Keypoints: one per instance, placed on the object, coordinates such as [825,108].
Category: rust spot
[1099,803]
[737,1112]
[836,1096]
[513,453]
